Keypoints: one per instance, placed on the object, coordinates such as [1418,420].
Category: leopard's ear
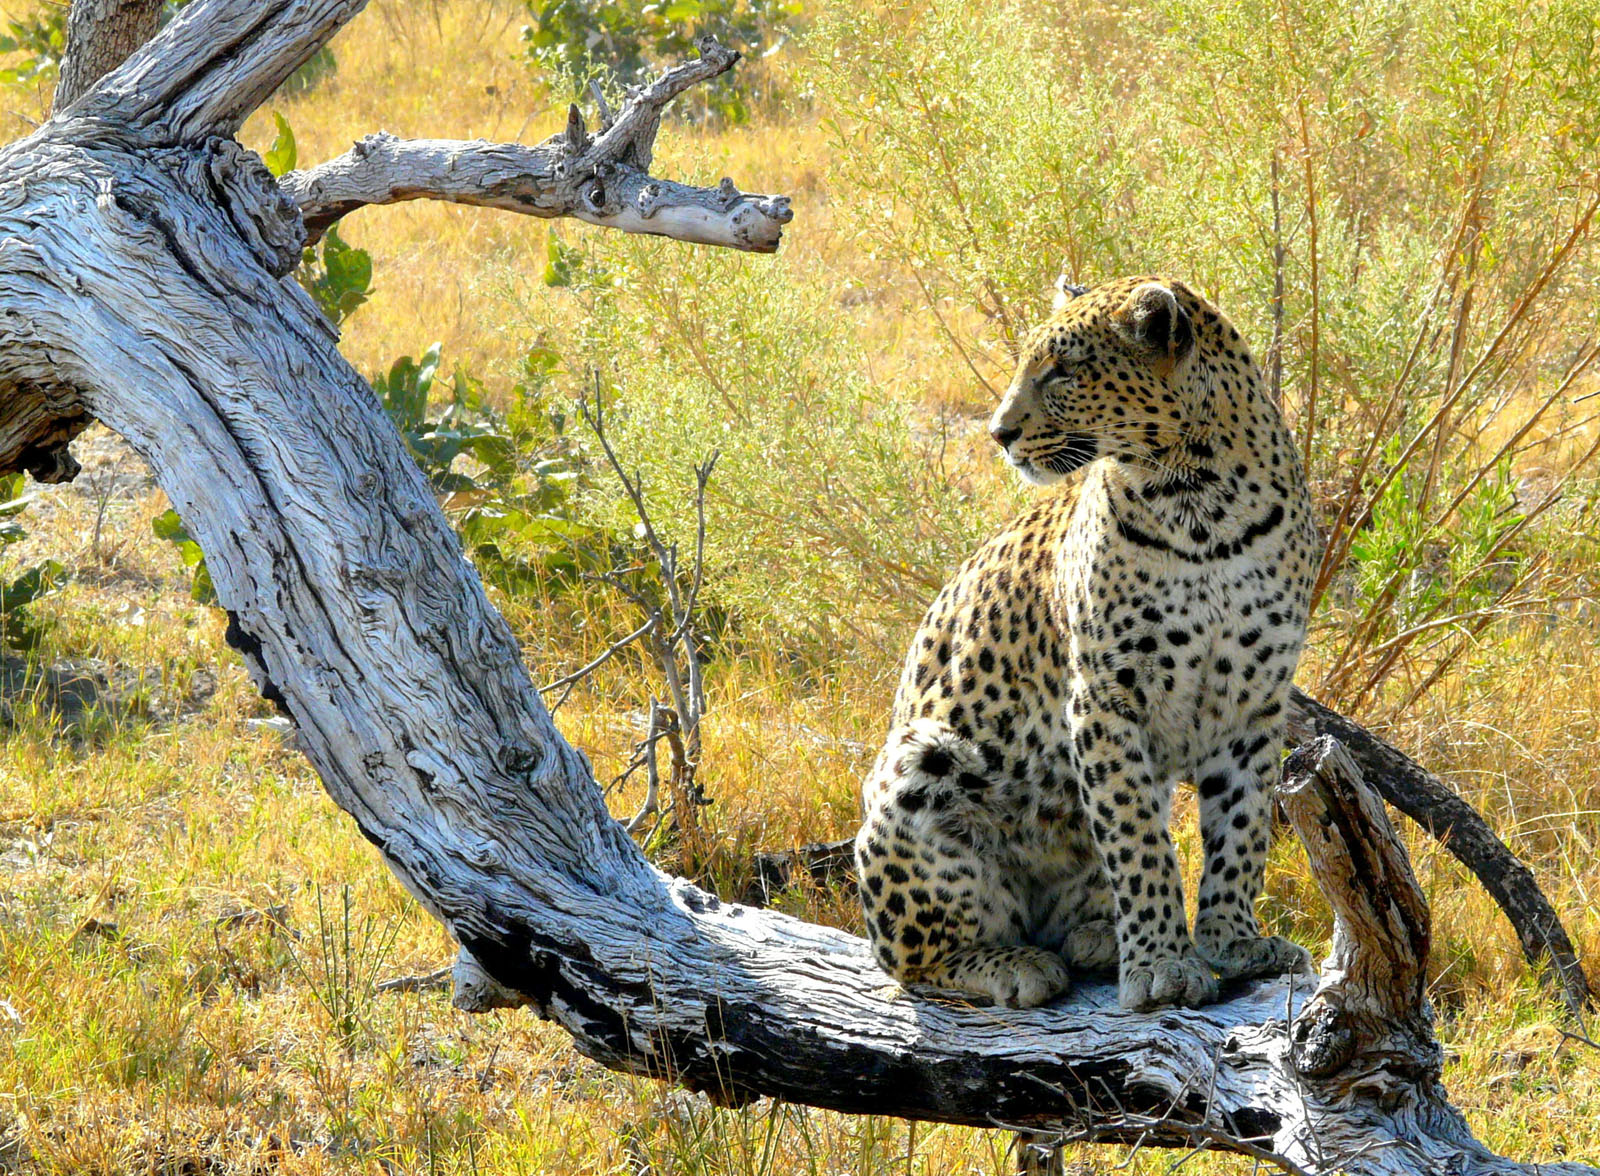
[1153,323]
[1065,291]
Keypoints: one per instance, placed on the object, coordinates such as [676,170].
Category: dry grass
[167,864]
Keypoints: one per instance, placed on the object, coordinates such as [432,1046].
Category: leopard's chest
[1191,653]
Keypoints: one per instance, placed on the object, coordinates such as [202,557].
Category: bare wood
[1431,803]
[349,596]
[40,416]
[144,272]
[101,35]
[1371,1001]
[537,181]
[202,75]
[603,180]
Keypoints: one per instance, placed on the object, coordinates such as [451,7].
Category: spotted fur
[1138,628]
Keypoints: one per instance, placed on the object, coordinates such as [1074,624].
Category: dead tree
[143,254]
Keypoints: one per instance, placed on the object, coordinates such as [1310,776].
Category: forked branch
[602,179]
[1371,1003]
[162,309]
[1431,803]
[1395,776]
[212,66]
[201,76]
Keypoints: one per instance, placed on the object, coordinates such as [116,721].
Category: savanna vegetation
[1396,203]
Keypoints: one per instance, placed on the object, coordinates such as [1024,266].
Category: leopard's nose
[1003,435]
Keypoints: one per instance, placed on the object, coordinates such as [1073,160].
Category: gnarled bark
[1431,803]
[101,35]
[142,257]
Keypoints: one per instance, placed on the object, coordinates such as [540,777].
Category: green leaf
[201,591]
[349,269]
[38,581]
[167,525]
[281,156]
[496,451]
[339,280]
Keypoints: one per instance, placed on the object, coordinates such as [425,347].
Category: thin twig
[646,754]
[1275,352]
[578,675]
[672,640]
[423,983]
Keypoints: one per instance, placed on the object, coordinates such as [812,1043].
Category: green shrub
[167,525]
[20,628]
[831,521]
[339,278]
[624,42]
[39,42]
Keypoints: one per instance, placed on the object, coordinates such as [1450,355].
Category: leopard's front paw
[1254,955]
[1172,980]
[1092,946]
[1033,977]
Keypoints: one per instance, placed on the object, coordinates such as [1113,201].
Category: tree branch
[1431,803]
[212,66]
[1372,1000]
[1397,777]
[603,180]
[40,417]
[101,35]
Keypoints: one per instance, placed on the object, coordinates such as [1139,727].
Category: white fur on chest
[1195,650]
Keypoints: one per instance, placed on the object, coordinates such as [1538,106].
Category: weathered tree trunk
[142,263]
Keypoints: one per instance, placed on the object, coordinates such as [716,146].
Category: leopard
[1138,627]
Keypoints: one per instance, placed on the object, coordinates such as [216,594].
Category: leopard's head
[1104,376]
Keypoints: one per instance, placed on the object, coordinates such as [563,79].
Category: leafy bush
[40,41]
[19,628]
[466,426]
[627,40]
[319,67]
[811,543]
[339,278]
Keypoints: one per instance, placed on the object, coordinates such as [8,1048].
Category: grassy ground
[190,931]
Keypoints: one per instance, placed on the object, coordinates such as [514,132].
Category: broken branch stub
[1368,1025]
[1427,800]
[204,73]
[1398,778]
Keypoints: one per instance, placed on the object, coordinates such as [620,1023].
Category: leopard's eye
[1058,372]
